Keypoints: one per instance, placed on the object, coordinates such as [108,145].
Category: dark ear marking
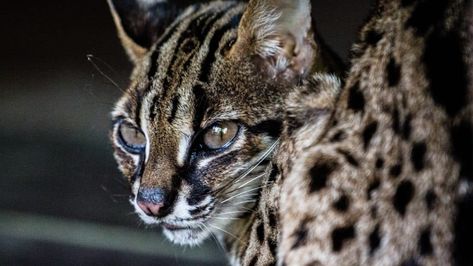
[141,23]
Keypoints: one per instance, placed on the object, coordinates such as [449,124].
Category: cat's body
[367,175]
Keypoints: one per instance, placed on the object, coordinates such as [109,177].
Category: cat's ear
[278,35]
[141,22]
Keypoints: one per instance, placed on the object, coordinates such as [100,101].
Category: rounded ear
[278,34]
[140,23]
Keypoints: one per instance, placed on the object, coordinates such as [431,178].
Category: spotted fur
[374,171]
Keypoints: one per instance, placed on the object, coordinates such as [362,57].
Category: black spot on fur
[369,132]
[373,186]
[430,199]
[425,245]
[418,155]
[406,127]
[395,170]
[253,261]
[320,173]
[375,240]
[273,174]
[260,232]
[410,262]
[314,263]
[273,246]
[379,163]
[342,204]
[393,71]
[464,232]
[374,212]
[448,85]
[425,15]
[372,37]
[403,196]
[272,218]
[339,136]
[396,121]
[349,158]
[300,235]
[462,142]
[356,100]
[341,235]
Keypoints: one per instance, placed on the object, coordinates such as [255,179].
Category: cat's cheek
[126,163]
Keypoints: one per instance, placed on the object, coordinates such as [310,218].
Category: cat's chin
[186,237]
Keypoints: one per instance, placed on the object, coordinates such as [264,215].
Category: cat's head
[196,127]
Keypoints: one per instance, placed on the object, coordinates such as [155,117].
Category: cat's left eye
[220,135]
[131,138]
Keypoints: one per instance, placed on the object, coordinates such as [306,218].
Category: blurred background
[62,201]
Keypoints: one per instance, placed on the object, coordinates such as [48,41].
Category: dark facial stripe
[213,46]
[195,26]
[138,99]
[200,98]
[201,23]
[175,106]
[270,127]
[162,40]
[201,103]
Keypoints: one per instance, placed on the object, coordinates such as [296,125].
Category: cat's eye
[220,135]
[131,138]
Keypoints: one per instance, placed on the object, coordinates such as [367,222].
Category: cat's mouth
[174,227]
[185,235]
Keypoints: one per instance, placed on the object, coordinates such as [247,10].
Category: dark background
[62,201]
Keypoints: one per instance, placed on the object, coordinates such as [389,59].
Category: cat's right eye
[131,138]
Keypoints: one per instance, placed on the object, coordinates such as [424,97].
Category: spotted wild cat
[236,124]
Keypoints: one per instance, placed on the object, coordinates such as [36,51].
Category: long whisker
[230,234]
[260,160]
[91,58]
[252,167]
[214,237]
[240,194]
[251,180]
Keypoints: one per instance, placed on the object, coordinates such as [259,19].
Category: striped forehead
[169,87]
[181,62]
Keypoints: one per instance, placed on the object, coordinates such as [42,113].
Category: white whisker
[230,234]
[240,194]
[259,161]
[251,180]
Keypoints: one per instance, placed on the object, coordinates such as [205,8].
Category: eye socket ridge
[130,137]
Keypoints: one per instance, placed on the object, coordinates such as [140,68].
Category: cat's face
[198,123]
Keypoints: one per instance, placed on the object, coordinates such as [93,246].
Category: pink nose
[152,201]
[149,208]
